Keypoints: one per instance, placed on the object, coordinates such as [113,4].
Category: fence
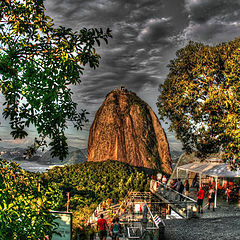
[182,204]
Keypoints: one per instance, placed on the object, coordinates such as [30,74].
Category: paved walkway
[222,224]
[223,228]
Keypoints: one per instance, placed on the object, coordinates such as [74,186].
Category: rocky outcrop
[126,129]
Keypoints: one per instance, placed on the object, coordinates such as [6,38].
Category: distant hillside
[14,154]
[76,155]
[175,155]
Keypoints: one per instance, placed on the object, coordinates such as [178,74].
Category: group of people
[211,197]
[114,229]
[162,178]
[181,188]
[185,188]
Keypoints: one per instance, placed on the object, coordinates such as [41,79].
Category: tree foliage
[24,210]
[93,182]
[38,62]
[201,97]
[26,198]
[89,184]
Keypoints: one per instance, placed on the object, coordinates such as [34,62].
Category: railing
[137,225]
[182,204]
[93,218]
[146,229]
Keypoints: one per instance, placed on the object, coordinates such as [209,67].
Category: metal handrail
[153,218]
[99,206]
[187,197]
[170,194]
[147,229]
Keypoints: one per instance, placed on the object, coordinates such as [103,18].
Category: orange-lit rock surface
[126,129]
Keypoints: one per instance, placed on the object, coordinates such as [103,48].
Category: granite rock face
[126,129]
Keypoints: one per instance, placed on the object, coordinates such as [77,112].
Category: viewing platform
[163,213]
[182,205]
[140,216]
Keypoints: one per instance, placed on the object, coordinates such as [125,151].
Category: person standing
[179,188]
[159,177]
[227,193]
[200,200]
[186,185]
[211,197]
[115,228]
[102,226]
[164,180]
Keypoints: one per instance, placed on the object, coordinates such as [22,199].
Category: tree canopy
[24,209]
[38,62]
[201,97]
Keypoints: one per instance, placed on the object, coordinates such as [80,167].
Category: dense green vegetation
[26,198]
[201,97]
[24,210]
[93,182]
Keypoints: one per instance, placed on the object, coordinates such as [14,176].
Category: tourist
[179,188]
[159,177]
[186,185]
[227,193]
[145,210]
[197,185]
[91,231]
[164,180]
[211,196]
[200,200]
[115,228]
[164,183]
[102,226]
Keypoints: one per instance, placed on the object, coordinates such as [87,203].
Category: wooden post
[68,201]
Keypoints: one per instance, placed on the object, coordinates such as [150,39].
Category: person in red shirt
[227,193]
[200,199]
[102,226]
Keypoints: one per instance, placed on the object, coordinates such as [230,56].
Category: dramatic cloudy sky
[146,35]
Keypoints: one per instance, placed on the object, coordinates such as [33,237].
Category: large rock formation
[126,129]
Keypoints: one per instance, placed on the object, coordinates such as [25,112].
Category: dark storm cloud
[146,35]
[205,10]
[155,30]
[137,24]
[99,12]
[212,21]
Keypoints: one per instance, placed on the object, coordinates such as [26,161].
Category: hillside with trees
[91,183]
[26,198]
[24,208]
